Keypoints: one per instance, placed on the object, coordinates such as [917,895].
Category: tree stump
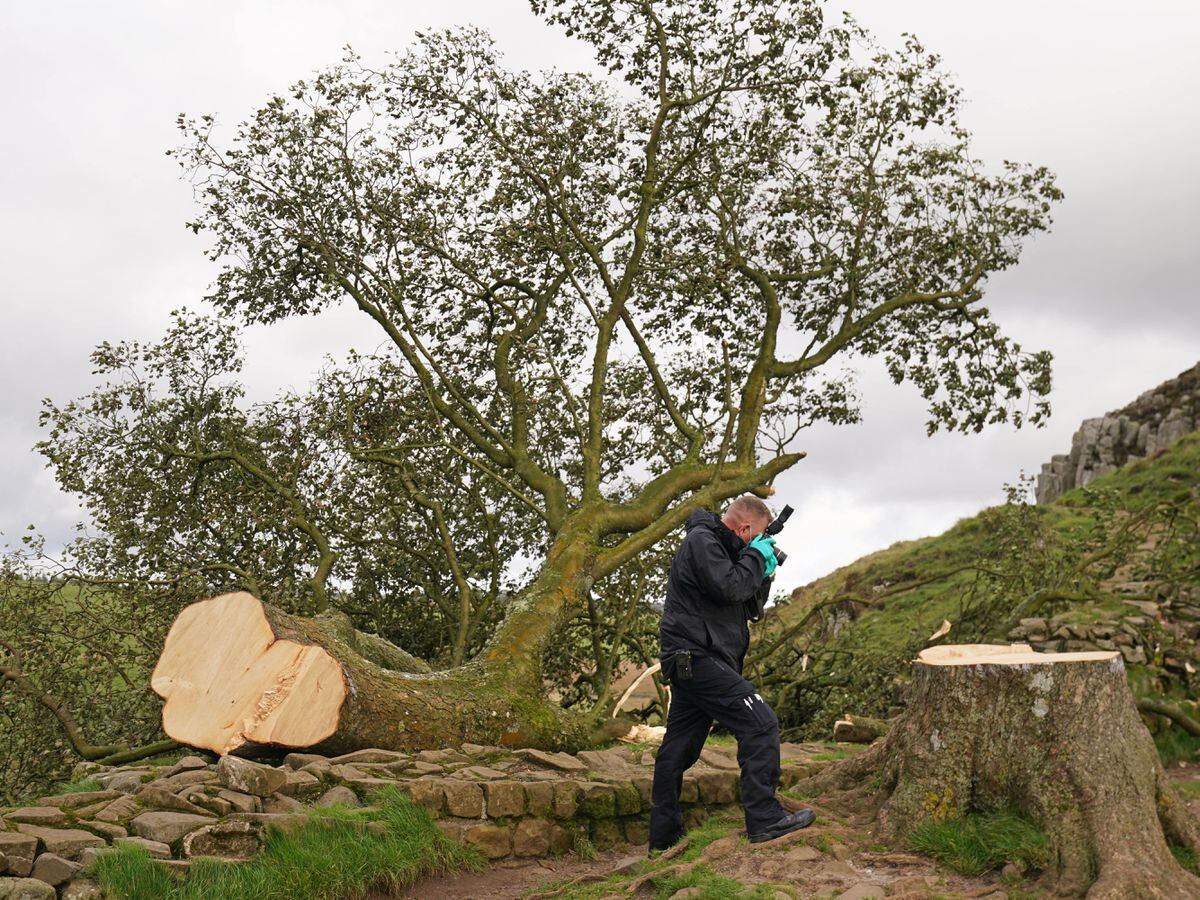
[1056,736]
[235,672]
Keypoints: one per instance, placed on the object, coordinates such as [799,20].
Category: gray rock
[241,802]
[250,777]
[53,869]
[82,889]
[339,795]
[227,840]
[127,782]
[18,851]
[187,764]
[68,842]
[168,827]
[156,849]
[38,815]
[25,889]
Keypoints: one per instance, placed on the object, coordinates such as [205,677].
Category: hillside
[1111,565]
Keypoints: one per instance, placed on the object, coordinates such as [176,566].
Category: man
[721,566]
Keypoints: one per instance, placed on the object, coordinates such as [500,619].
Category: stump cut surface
[227,679]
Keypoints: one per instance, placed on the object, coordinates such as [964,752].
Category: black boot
[789,823]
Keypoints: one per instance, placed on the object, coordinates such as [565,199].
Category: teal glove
[765,545]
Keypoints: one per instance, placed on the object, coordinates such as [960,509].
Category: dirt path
[510,879]
[830,859]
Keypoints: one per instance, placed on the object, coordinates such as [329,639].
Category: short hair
[749,508]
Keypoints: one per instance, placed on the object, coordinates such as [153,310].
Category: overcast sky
[94,248]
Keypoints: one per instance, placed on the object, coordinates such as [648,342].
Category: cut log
[1056,736]
[235,673]
[858,729]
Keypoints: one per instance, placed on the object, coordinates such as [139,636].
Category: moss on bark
[1061,742]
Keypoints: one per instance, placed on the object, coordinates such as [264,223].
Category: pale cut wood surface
[228,680]
[1004,655]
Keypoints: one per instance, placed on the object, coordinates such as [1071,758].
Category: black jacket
[713,575]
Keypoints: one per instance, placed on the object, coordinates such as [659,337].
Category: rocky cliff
[1151,423]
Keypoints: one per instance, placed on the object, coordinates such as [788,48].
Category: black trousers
[716,691]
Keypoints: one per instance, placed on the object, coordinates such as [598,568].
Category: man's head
[747,516]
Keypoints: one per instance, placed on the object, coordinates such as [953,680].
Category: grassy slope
[883,639]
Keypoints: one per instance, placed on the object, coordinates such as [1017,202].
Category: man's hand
[765,545]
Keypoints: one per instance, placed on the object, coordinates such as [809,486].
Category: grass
[333,856]
[983,841]
[1176,746]
[1186,858]
[80,787]
[714,887]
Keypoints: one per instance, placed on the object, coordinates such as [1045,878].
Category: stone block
[119,810]
[597,800]
[643,784]
[68,842]
[564,762]
[339,795]
[637,829]
[240,802]
[156,797]
[54,869]
[167,827]
[78,799]
[719,758]
[562,840]
[615,759]
[157,849]
[227,840]
[38,815]
[250,777]
[25,889]
[455,829]
[481,773]
[531,837]
[82,889]
[298,761]
[463,798]
[18,850]
[187,764]
[627,799]
[126,782]
[427,792]
[419,767]
[493,841]
[504,798]
[107,830]
[566,799]
[442,757]
[304,785]
[371,756]
[605,833]
[717,787]
[187,778]
[690,792]
[281,803]
[539,798]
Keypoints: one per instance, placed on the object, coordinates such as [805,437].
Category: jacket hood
[702,518]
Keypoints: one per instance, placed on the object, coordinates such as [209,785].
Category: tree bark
[1056,736]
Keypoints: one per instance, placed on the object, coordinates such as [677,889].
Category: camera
[775,527]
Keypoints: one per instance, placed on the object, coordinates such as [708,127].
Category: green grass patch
[1189,789]
[331,857]
[80,787]
[712,886]
[1186,858]
[1175,746]
[983,841]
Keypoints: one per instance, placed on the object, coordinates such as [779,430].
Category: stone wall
[523,803]
[1152,422]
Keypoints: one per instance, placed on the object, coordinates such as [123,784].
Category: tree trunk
[236,672]
[1056,736]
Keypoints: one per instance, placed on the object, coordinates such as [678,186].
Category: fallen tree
[612,303]
[1056,736]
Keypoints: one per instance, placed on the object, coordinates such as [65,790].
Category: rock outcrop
[1151,423]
